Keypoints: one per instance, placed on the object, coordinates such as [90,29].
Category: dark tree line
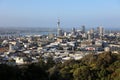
[105,66]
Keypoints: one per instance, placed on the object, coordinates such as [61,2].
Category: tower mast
[58,23]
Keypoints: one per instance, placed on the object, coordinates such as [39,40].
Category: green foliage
[53,73]
[8,72]
[104,66]
[82,73]
[65,73]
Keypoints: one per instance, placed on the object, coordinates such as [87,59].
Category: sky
[72,13]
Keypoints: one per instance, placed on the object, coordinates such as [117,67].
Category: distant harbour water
[18,34]
[37,33]
[27,31]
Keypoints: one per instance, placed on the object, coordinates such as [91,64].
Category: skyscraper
[73,31]
[100,31]
[83,29]
[92,30]
[92,33]
[89,35]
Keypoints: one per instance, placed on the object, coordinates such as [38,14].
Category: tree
[82,73]
[54,73]
[65,73]
[34,72]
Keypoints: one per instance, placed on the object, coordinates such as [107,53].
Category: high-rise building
[92,33]
[92,30]
[97,31]
[100,31]
[83,29]
[59,30]
[89,35]
[73,31]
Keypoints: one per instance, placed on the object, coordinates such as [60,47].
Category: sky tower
[58,23]
[59,32]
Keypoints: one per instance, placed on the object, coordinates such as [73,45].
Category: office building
[83,29]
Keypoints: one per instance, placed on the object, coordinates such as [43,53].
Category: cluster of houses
[30,48]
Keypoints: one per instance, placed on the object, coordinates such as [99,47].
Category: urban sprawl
[62,46]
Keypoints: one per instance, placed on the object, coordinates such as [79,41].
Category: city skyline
[25,13]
